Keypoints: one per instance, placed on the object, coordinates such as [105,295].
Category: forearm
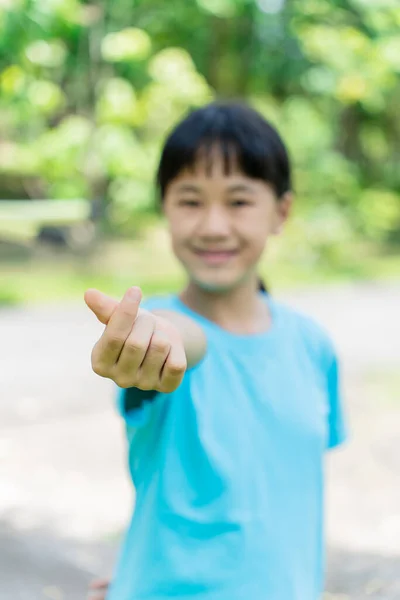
[193,336]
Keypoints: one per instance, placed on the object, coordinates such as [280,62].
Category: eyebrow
[240,187]
[187,187]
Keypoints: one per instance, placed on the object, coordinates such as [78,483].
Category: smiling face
[220,223]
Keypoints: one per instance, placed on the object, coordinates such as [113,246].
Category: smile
[216,257]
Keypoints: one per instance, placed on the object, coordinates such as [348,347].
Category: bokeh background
[88,91]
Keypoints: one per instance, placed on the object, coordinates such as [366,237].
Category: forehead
[214,169]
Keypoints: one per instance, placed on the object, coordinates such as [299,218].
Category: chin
[215,285]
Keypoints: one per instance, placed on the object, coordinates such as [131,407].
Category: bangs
[240,136]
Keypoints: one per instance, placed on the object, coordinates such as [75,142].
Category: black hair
[240,132]
[246,140]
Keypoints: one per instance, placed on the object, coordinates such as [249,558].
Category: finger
[101,305]
[134,350]
[99,584]
[150,371]
[174,369]
[107,350]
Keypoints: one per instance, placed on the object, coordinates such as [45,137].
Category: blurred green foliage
[88,90]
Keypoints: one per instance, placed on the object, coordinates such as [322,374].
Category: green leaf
[117,102]
[46,96]
[379,212]
[46,53]
[126,45]
[220,8]
[12,80]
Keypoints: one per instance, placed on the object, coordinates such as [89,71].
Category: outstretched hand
[137,348]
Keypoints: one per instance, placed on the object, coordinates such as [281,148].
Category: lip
[216,257]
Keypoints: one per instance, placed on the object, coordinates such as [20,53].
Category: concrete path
[64,494]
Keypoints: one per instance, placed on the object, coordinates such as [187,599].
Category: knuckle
[176,368]
[134,346]
[99,369]
[98,366]
[123,381]
[114,342]
[147,314]
[160,344]
[146,317]
[146,385]
[168,388]
[127,311]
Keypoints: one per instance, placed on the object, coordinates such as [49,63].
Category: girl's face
[220,223]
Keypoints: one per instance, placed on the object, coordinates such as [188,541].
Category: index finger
[109,346]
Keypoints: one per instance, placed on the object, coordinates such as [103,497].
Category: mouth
[215,257]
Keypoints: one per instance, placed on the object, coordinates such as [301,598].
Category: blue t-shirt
[228,469]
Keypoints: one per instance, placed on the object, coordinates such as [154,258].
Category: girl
[229,397]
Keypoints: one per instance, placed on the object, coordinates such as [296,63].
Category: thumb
[101,305]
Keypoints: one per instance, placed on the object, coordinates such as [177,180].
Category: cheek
[256,231]
[176,226]
[180,231]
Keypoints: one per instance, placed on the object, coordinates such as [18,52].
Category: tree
[89,89]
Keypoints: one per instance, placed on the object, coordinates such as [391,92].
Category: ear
[283,211]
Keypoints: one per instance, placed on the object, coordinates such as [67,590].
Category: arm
[141,349]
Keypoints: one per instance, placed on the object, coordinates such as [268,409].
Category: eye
[239,202]
[189,202]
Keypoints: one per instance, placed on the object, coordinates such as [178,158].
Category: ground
[64,494]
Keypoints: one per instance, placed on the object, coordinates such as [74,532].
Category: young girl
[230,398]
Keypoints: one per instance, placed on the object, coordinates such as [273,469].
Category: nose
[214,223]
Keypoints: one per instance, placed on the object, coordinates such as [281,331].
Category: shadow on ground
[37,565]
[362,576]
[40,566]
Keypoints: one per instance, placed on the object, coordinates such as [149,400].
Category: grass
[150,264]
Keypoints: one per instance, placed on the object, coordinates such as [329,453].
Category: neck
[239,310]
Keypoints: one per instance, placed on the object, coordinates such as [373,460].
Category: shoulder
[171,304]
[171,307]
[161,302]
[308,333]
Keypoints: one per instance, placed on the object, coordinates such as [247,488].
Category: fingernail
[134,293]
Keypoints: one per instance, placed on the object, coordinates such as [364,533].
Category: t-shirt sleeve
[135,406]
[337,431]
